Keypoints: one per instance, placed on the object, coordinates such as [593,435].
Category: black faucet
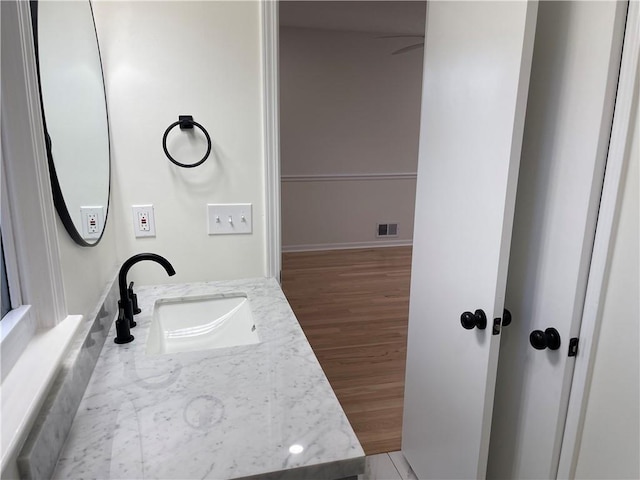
[125,322]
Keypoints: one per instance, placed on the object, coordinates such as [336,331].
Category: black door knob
[550,339]
[506,318]
[477,319]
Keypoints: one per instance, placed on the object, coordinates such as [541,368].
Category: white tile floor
[387,466]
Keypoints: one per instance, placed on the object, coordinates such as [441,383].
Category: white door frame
[271,118]
[601,256]
[592,314]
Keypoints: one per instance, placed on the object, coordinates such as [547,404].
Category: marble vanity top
[233,412]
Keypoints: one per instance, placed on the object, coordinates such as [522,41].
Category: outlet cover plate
[92,229]
[229,219]
[144,222]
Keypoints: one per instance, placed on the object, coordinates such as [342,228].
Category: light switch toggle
[238,215]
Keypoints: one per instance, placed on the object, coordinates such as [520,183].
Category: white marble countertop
[218,414]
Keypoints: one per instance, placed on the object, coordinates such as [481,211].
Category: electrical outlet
[144,224]
[143,221]
[229,219]
[92,223]
[92,219]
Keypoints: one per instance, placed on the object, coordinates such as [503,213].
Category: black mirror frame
[58,197]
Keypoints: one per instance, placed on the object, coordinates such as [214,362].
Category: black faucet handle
[123,332]
[134,300]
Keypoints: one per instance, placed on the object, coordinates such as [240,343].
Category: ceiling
[386,17]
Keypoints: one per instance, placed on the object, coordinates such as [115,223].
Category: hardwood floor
[353,306]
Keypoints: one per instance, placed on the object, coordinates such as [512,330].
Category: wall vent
[387,230]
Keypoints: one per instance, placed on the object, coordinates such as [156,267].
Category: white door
[569,113]
[475,83]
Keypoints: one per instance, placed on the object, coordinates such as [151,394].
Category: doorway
[350,89]
[563,83]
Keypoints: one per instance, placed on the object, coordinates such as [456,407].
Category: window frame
[30,237]
[8,242]
[37,332]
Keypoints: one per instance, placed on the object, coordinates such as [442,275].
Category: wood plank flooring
[353,306]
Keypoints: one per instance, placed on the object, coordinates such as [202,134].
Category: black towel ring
[186,122]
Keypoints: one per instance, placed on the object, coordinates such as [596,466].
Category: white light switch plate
[229,219]
[144,222]
[92,221]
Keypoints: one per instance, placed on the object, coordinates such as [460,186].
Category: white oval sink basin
[201,323]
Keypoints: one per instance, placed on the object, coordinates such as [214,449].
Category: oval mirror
[75,115]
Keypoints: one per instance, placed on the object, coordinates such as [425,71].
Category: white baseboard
[344,246]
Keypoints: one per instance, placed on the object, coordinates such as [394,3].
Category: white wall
[610,445]
[87,272]
[347,106]
[163,59]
